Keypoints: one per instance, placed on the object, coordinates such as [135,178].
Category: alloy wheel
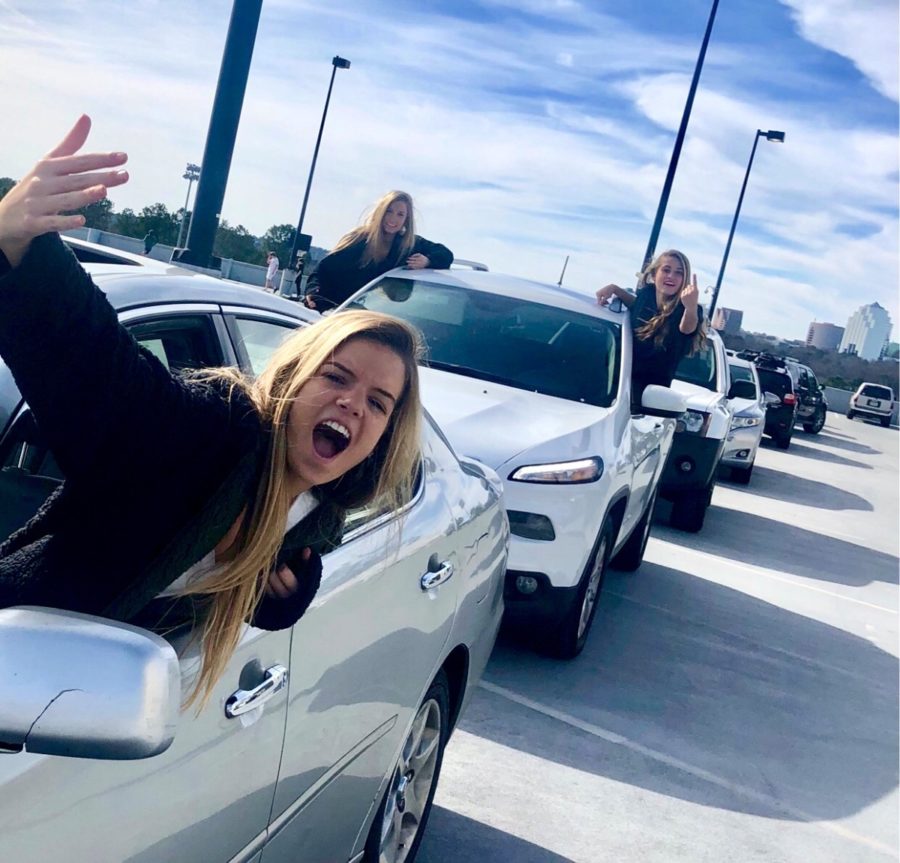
[411,784]
[593,587]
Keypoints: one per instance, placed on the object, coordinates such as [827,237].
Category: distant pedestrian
[272,264]
[386,239]
[665,319]
[150,241]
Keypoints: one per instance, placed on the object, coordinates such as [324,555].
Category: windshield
[510,341]
[699,368]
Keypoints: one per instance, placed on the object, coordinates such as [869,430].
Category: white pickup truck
[534,380]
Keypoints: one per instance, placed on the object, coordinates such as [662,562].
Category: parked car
[322,742]
[690,473]
[747,421]
[535,381]
[872,401]
[779,393]
[811,402]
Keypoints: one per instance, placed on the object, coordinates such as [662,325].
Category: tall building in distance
[727,320]
[867,332]
[825,337]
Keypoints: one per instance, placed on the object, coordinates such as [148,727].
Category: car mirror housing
[662,402]
[742,390]
[84,687]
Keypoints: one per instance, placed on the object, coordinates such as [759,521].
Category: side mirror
[662,402]
[742,390]
[84,687]
[771,399]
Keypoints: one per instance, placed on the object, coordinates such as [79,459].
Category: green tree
[238,244]
[164,224]
[6,183]
[128,223]
[279,239]
[98,215]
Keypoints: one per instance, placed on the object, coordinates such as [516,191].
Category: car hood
[493,422]
[698,398]
[746,407]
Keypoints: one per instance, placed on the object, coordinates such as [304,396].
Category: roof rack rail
[471,265]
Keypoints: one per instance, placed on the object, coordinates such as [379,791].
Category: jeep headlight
[583,470]
[744,422]
[694,422]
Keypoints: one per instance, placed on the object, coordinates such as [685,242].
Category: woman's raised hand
[59,183]
[690,294]
[605,294]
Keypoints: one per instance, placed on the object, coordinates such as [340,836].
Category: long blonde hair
[386,475]
[377,248]
[658,326]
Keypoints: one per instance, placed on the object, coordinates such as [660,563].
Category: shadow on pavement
[842,442]
[775,545]
[767,482]
[820,454]
[452,837]
[767,700]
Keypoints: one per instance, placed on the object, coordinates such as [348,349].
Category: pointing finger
[74,139]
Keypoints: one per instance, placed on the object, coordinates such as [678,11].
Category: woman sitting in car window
[213,490]
[665,318]
[387,239]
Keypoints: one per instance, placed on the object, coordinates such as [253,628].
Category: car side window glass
[359,517]
[180,342]
[257,340]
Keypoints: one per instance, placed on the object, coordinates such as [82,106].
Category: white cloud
[866,33]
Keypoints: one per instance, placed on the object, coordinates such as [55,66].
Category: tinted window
[873,391]
[181,342]
[774,382]
[740,373]
[699,368]
[507,340]
[258,340]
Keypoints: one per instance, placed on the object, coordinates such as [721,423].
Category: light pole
[771,135]
[679,140]
[336,63]
[191,173]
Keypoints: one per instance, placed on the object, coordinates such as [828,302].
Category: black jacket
[157,468]
[339,275]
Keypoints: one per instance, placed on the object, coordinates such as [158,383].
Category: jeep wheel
[631,555]
[850,414]
[817,424]
[741,475]
[569,639]
[885,422]
[689,510]
[399,824]
[783,440]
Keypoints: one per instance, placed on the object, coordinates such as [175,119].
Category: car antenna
[565,264]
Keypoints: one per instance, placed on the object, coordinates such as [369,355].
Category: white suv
[535,381]
[874,401]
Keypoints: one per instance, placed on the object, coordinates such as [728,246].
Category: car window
[180,342]
[873,391]
[778,383]
[811,379]
[740,373]
[258,340]
[522,344]
[699,368]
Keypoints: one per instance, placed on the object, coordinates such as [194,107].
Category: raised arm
[606,293]
[428,254]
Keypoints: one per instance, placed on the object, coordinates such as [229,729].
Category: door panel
[206,798]
[362,657]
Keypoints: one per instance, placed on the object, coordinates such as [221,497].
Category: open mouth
[330,438]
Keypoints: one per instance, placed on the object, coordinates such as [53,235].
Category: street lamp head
[340,63]
[772,135]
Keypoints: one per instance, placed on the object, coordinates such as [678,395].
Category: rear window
[873,391]
[510,341]
[740,373]
[778,383]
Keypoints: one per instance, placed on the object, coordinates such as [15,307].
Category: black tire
[570,637]
[783,440]
[396,834]
[689,510]
[741,475]
[885,422]
[850,414]
[631,555]
[817,424]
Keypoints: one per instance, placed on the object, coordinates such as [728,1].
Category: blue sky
[526,130]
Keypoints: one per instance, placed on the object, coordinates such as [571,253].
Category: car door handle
[245,700]
[438,577]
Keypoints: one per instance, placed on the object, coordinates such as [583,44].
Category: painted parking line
[691,769]
[767,573]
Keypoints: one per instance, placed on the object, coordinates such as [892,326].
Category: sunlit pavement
[737,700]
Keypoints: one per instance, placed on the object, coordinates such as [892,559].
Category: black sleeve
[276,613]
[439,257]
[100,400]
[323,283]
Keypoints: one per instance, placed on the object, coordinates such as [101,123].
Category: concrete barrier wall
[839,401]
